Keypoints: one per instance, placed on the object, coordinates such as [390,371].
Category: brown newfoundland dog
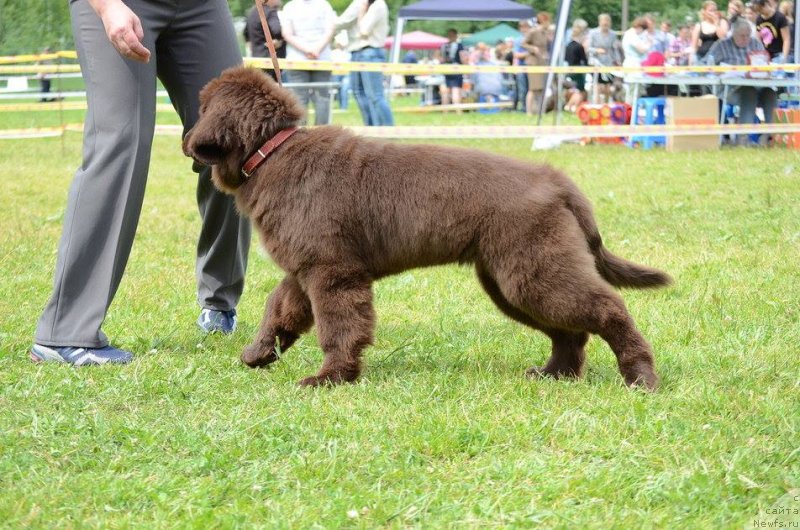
[337,211]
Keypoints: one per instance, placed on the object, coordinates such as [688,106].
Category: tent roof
[418,40]
[467,10]
[492,35]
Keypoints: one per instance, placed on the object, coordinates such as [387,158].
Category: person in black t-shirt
[773,30]
[575,55]
[254,33]
[452,53]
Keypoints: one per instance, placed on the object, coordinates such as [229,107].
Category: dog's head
[239,111]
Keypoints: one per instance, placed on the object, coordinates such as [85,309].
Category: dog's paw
[329,379]
[255,356]
[314,381]
[534,372]
[540,372]
[646,380]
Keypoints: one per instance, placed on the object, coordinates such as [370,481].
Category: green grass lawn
[442,430]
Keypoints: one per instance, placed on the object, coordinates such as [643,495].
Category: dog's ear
[208,142]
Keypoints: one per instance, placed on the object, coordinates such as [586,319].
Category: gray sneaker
[79,356]
[214,321]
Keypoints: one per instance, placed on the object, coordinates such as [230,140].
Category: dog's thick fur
[337,212]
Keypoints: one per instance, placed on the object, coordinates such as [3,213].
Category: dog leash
[270,43]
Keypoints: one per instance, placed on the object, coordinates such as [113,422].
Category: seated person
[488,85]
[734,50]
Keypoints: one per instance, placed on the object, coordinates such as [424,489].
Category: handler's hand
[124,30]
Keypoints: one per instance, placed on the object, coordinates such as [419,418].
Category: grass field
[442,430]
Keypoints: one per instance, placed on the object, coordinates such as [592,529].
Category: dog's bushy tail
[617,271]
[620,272]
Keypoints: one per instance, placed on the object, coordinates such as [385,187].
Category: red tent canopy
[418,40]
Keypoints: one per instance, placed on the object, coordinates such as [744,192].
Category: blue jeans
[368,89]
[522,89]
[321,95]
[343,95]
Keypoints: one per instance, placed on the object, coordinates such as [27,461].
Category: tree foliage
[29,26]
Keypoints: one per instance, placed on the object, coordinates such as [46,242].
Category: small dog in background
[337,211]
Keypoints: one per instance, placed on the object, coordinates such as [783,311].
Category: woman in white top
[308,29]
[636,43]
[367,25]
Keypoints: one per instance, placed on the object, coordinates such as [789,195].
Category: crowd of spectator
[309,27]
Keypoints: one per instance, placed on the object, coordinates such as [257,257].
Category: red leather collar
[265,150]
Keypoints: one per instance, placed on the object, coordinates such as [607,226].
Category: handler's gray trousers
[191,42]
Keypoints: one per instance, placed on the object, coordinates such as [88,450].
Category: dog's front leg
[287,316]
[342,304]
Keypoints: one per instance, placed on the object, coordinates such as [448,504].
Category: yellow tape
[41,69]
[61,105]
[526,132]
[402,68]
[30,58]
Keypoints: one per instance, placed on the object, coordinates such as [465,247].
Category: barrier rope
[11,65]
[419,69]
[488,131]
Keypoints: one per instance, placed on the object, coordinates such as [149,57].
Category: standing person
[367,25]
[518,55]
[339,54]
[308,27]
[602,46]
[122,48]
[452,53]
[254,33]
[410,58]
[751,15]
[658,38]
[736,10]
[636,43]
[773,28]
[44,78]
[709,30]
[669,37]
[575,55]
[680,51]
[536,43]
[787,9]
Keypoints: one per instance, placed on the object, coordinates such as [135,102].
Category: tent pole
[558,51]
[395,55]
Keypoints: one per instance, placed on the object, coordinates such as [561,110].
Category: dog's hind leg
[583,304]
[551,275]
[567,357]
[287,316]
[345,320]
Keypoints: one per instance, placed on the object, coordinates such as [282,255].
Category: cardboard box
[693,111]
[790,140]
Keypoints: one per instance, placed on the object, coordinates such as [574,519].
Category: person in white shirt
[308,27]
[636,43]
[367,25]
